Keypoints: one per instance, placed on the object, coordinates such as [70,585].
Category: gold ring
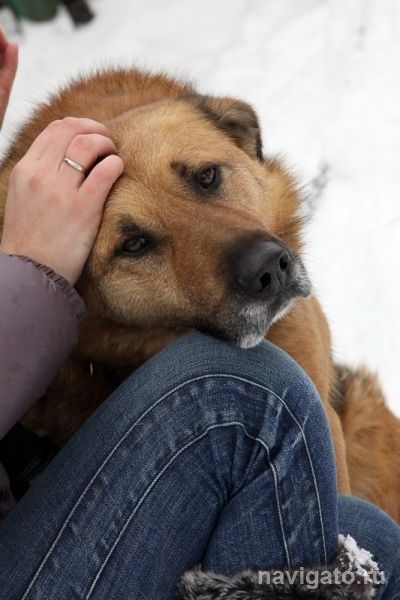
[74,165]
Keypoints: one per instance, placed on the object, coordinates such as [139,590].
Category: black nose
[262,269]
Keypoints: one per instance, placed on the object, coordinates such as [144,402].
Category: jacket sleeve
[39,314]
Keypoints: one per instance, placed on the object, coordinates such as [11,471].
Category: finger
[97,186]
[8,69]
[8,64]
[3,38]
[53,142]
[85,150]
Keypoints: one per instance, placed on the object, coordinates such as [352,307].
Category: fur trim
[352,576]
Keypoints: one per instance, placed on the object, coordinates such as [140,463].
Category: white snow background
[324,77]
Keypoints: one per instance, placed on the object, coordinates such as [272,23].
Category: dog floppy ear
[237,119]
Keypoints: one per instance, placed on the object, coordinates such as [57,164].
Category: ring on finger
[74,165]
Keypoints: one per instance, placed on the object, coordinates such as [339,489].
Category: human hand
[8,68]
[53,211]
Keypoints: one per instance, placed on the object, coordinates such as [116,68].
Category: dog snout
[262,269]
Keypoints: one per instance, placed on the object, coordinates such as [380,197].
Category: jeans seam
[132,427]
[164,469]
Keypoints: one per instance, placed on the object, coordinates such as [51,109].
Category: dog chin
[253,339]
[250,340]
[260,325]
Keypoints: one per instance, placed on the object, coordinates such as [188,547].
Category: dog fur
[163,130]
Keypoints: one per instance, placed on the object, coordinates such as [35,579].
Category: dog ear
[237,119]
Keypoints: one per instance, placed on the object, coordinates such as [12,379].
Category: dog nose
[263,269]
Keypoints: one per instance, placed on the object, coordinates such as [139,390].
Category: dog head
[200,231]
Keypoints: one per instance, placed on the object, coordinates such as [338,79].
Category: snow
[360,560]
[324,78]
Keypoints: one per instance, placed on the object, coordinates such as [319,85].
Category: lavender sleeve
[39,315]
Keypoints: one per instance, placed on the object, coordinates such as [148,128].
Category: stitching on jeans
[309,460]
[132,427]
[164,469]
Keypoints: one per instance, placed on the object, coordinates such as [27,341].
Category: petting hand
[8,68]
[53,211]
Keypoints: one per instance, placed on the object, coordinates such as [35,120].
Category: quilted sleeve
[39,316]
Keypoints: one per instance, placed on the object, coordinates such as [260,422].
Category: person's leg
[375,531]
[206,453]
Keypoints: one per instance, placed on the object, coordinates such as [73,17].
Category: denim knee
[196,356]
[265,391]
[201,389]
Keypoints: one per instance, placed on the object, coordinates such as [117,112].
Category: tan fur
[372,436]
[137,307]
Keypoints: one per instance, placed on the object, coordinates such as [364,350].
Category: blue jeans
[207,453]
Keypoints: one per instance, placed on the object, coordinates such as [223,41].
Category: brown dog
[201,232]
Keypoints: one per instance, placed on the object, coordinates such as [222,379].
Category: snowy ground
[324,77]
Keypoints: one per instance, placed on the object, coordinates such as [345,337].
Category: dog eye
[208,178]
[134,246]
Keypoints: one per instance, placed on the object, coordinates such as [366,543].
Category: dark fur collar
[357,564]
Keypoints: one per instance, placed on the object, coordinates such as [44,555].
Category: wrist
[74,300]
[13,250]
[70,277]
